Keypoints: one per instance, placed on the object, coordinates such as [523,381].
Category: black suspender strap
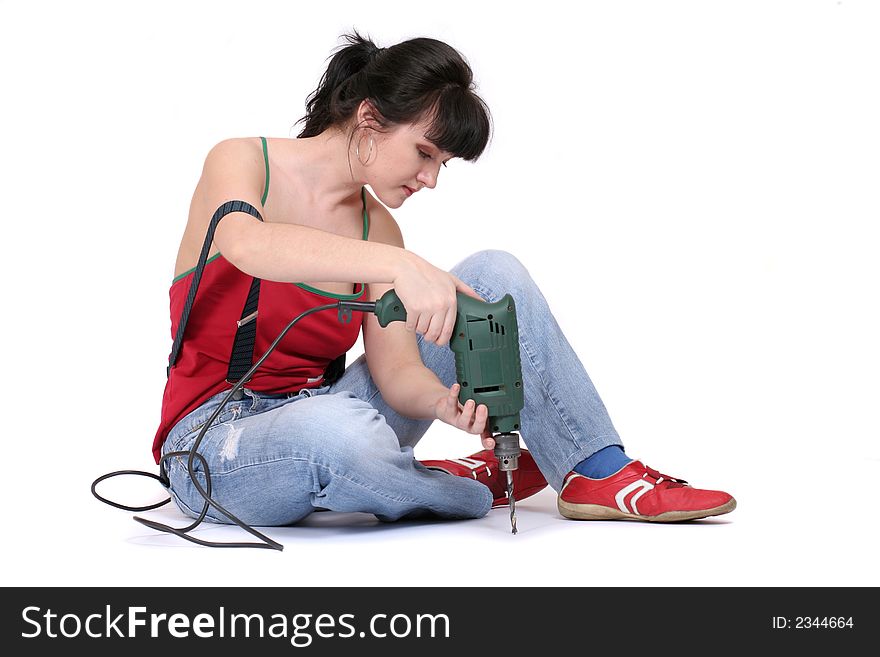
[242,356]
[251,326]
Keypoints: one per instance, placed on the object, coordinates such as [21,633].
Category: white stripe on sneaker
[473,464]
[626,490]
[570,479]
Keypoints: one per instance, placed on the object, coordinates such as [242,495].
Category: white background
[692,184]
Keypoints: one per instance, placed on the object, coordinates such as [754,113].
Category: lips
[409,191]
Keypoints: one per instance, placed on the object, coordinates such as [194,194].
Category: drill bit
[507,452]
[511,501]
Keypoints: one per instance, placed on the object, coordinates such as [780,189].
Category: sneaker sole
[599,512]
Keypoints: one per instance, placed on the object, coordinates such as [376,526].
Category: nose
[428,177]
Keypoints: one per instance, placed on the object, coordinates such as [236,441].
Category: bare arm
[414,391]
[278,251]
[396,366]
[291,253]
[392,350]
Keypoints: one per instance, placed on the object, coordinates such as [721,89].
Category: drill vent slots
[494,327]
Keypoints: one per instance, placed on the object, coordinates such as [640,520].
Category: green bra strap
[266,158]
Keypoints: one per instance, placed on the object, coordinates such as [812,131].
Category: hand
[470,417]
[428,294]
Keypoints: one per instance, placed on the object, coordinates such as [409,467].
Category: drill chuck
[507,451]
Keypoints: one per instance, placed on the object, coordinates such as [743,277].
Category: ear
[368,116]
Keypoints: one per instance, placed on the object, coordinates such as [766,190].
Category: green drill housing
[486,347]
[487,364]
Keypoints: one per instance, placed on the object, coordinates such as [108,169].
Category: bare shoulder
[235,156]
[233,169]
[383,227]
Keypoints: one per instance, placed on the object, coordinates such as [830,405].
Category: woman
[297,440]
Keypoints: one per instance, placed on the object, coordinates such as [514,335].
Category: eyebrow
[435,149]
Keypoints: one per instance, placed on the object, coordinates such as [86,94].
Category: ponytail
[332,101]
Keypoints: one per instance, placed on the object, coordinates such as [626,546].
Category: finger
[452,399]
[447,408]
[448,326]
[472,416]
[467,413]
[480,418]
[452,408]
[488,442]
[435,329]
[461,286]
[423,324]
[488,436]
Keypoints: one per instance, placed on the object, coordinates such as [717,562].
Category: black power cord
[345,308]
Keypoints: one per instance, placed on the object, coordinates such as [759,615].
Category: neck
[328,168]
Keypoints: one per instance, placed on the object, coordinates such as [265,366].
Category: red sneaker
[638,492]
[483,466]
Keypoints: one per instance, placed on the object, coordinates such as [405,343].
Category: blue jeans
[274,459]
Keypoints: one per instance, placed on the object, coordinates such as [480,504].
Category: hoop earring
[357,152]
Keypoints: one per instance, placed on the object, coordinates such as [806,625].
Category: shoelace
[658,477]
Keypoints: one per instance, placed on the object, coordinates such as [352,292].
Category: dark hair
[415,79]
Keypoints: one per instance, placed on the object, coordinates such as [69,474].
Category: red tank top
[299,360]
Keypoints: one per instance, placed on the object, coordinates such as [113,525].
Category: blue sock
[606,461]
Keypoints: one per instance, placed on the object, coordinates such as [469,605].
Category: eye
[424,155]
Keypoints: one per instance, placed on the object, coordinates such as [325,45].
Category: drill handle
[389,308]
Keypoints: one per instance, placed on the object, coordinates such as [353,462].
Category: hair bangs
[460,123]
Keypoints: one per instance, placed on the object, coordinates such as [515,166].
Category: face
[404,162]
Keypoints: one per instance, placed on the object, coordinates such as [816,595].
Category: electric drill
[487,365]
